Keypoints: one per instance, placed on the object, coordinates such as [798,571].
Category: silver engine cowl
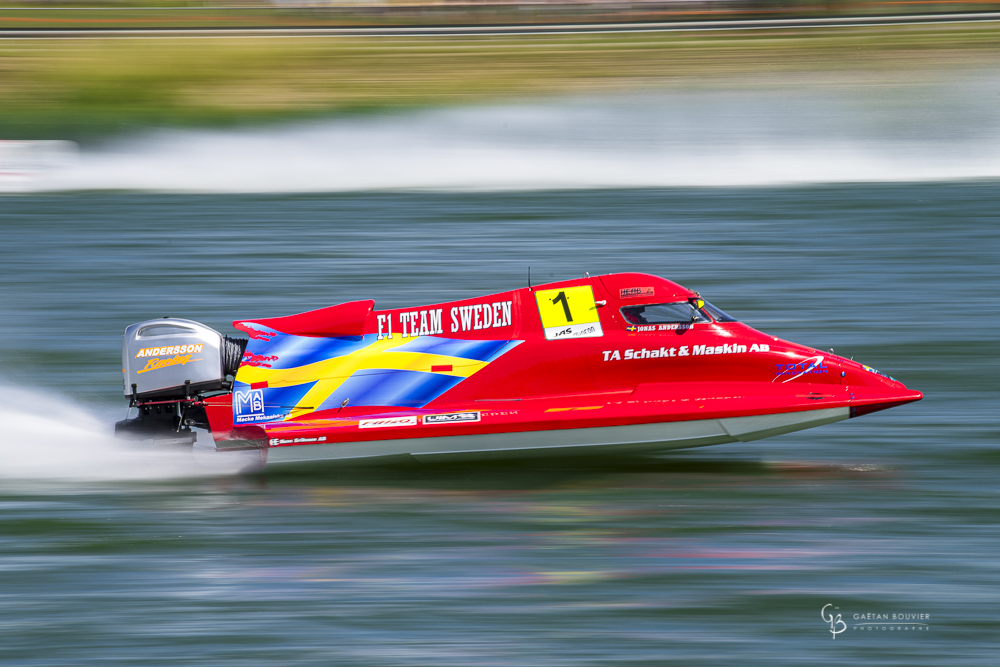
[170,356]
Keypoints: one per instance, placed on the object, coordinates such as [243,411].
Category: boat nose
[871,390]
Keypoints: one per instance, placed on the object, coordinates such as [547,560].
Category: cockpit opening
[681,312]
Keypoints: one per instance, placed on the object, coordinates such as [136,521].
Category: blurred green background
[86,89]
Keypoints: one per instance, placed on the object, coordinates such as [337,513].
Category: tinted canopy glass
[717,314]
[682,312]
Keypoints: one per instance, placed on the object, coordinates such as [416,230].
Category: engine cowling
[169,366]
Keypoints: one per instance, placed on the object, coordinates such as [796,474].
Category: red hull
[594,353]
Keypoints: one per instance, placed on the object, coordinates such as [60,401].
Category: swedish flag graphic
[285,376]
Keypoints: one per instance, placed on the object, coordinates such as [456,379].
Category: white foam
[789,135]
[47,438]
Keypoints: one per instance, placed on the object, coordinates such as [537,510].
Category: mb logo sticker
[452,418]
[250,402]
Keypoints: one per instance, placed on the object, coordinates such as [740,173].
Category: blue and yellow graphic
[284,376]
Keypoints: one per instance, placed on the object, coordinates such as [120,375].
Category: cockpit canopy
[678,312]
[717,313]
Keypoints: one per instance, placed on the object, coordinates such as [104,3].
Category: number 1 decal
[562,297]
[569,313]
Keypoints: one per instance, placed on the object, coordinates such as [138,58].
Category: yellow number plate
[568,313]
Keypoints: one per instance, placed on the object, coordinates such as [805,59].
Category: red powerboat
[620,363]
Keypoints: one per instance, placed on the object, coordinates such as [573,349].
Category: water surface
[723,555]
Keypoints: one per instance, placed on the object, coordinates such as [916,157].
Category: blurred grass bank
[207,14]
[85,89]
[82,15]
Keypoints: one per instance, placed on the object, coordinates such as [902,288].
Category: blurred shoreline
[90,90]
[112,14]
[781,131]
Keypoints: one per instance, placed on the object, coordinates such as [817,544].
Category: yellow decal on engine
[157,364]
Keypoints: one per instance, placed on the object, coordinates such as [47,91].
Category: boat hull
[624,439]
[621,363]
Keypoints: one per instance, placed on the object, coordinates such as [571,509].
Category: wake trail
[50,439]
[791,134]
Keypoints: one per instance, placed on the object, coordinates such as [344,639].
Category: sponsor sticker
[157,364]
[181,356]
[257,360]
[249,402]
[249,407]
[810,366]
[387,422]
[683,351]
[452,418]
[634,292]
[274,442]
[164,351]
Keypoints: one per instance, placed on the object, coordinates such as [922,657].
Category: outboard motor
[170,365]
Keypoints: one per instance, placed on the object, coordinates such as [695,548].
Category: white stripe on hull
[633,438]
